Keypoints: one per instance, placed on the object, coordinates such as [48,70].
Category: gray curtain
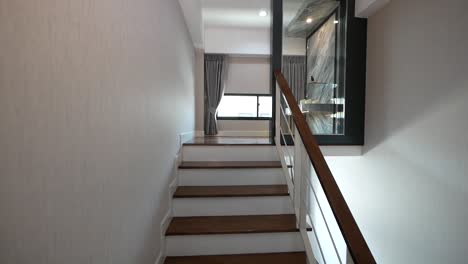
[215,75]
[294,71]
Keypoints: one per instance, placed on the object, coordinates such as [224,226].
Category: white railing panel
[323,240]
[320,213]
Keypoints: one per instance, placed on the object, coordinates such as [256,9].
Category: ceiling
[290,9]
[236,13]
[200,14]
[244,13]
[241,14]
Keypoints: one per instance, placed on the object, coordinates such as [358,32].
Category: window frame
[258,95]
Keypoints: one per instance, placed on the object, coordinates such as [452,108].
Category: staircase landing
[227,141]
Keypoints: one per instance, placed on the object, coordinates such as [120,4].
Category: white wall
[93,95]
[409,191]
[192,10]
[245,41]
[231,40]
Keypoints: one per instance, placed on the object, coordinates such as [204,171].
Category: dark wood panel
[270,258]
[205,225]
[229,141]
[357,245]
[229,164]
[231,191]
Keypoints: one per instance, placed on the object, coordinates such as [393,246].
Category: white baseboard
[163,227]
[184,137]
[228,133]
[169,213]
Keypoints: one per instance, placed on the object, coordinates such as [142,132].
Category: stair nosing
[284,193]
[246,255]
[231,232]
[228,144]
[230,165]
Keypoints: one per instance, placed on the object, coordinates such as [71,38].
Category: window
[245,107]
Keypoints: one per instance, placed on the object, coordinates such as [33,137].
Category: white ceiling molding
[192,10]
[366,8]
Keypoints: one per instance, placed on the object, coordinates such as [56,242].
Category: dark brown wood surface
[270,258]
[229,164]
[210,225]
[231,191]
[229,141]
[355,241]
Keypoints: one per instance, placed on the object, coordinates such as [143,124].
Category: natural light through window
[245,106]
[265,106]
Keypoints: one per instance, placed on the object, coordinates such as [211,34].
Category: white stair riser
[217,177]
[232,206]
[233,244]
[230,153]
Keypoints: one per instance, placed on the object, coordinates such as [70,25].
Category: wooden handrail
[356,243]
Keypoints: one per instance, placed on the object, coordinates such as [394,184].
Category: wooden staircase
[231,191]
[215,225]
[271,258]
[238,211]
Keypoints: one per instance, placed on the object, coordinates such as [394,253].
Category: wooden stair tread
[271,258]
[229,164]
[206,225]
[231,191]
[229,141]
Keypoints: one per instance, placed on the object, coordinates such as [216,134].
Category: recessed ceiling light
[309,20]
[263,13]
[336,21]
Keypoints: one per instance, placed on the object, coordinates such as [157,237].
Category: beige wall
[93,95]
[409,191]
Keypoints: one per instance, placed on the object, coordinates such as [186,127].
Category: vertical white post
[278,116]
[304,188]
[297,176]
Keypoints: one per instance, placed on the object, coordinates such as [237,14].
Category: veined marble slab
[317,10]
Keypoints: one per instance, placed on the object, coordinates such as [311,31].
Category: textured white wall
[409,191]
[93,95]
